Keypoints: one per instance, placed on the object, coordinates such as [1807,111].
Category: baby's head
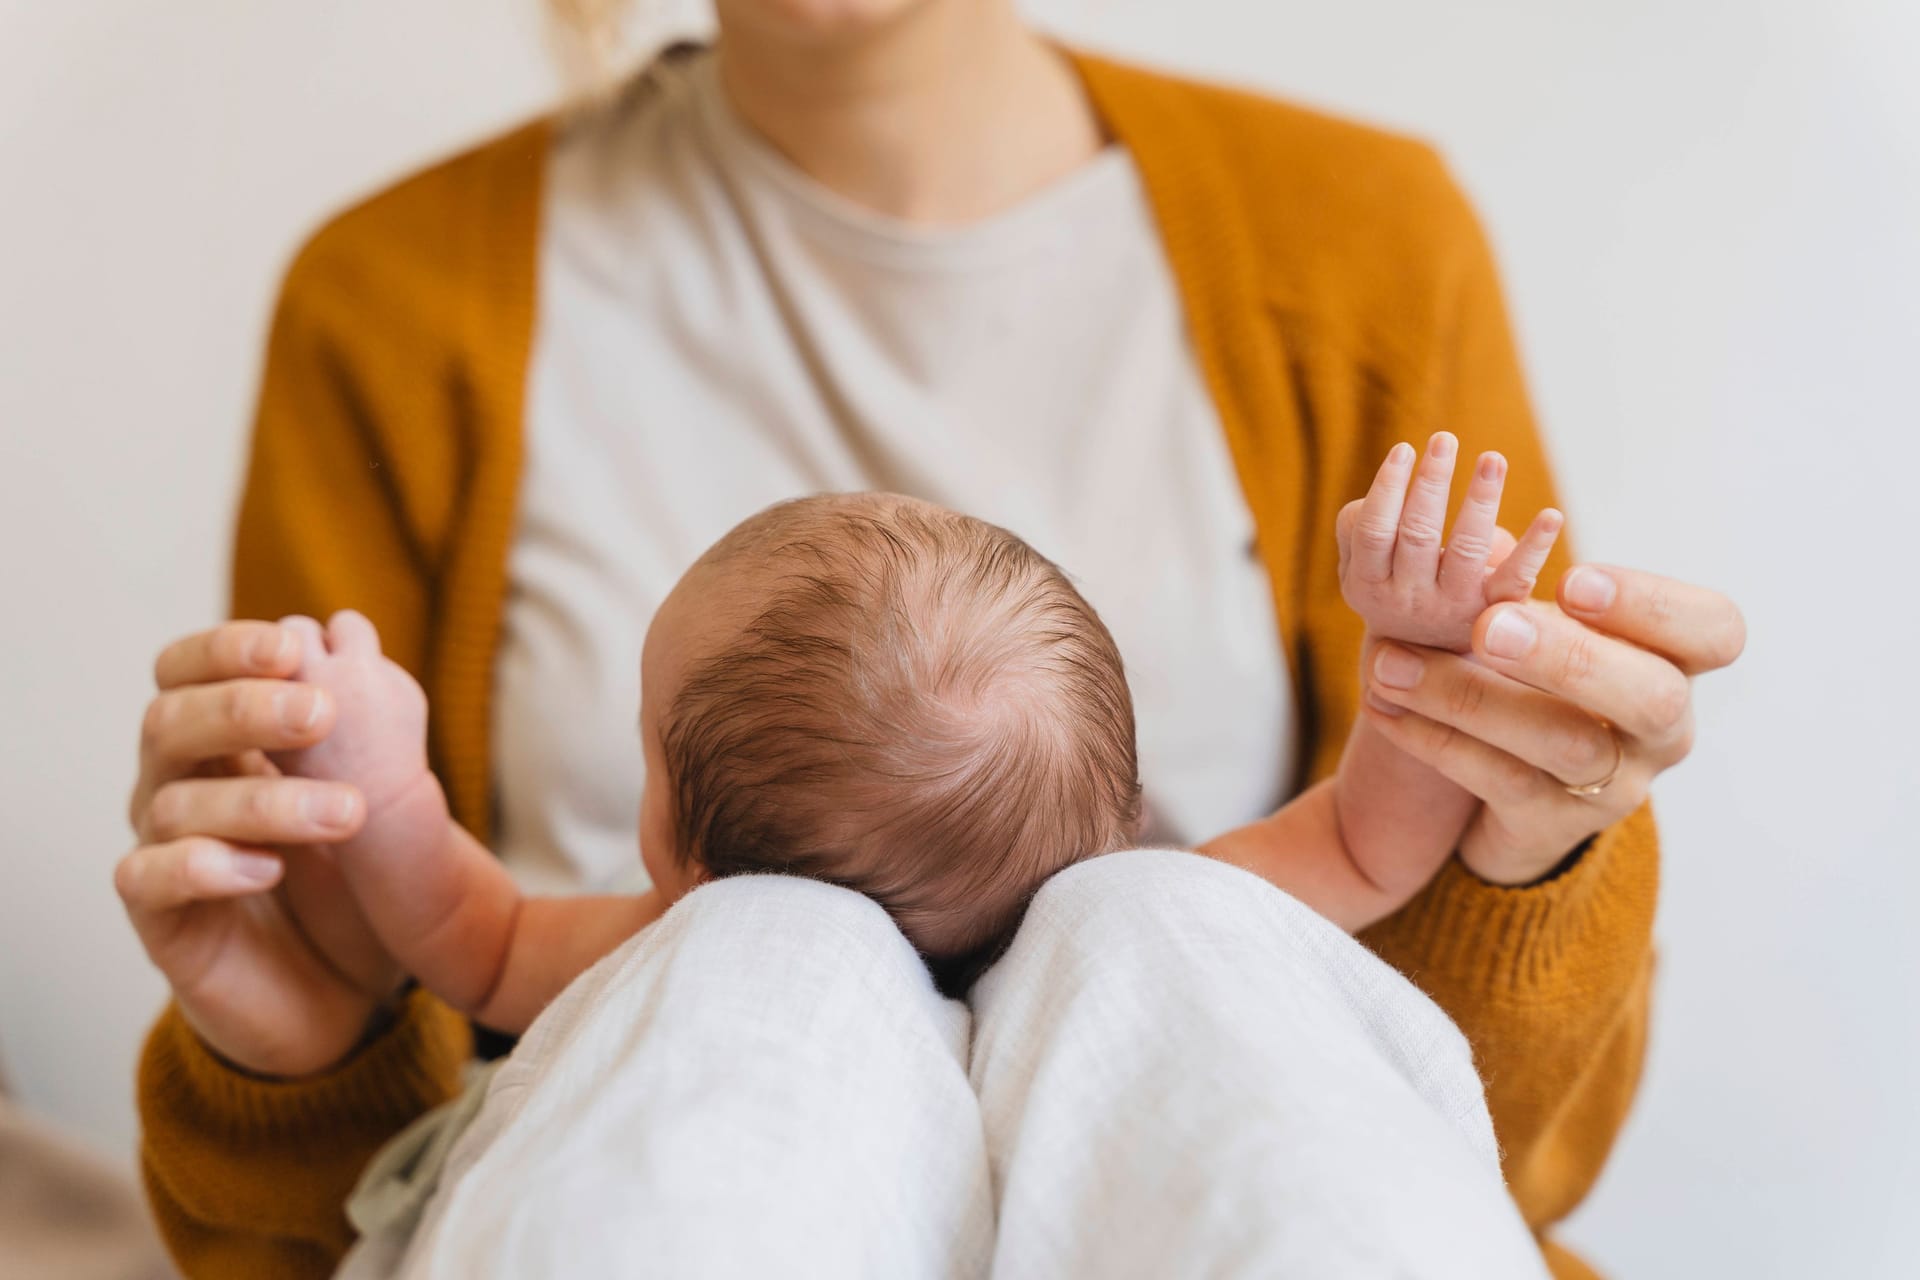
[877,692]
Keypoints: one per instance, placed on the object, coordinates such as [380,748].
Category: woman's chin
[813,21]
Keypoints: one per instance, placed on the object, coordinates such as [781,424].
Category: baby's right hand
[1399,577]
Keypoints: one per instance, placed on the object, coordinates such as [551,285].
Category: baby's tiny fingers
[313,640]
[1463,567]
[1517,574]
[1503,545]
[351,632]
[1416,551]
[1343,534]
[1377,526]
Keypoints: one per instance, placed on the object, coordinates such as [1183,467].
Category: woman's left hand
[1553,701]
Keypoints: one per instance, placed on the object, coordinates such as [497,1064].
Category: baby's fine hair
[919,706]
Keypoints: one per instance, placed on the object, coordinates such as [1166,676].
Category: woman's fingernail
[300,708]
[328,808]
[252,868]
[1396,668]
[1384,707]
[1511,634]
[269,648]
[1589,589]
[341,808]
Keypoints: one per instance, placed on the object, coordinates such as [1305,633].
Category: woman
[1162,330]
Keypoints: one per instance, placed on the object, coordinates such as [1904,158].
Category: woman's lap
[763,1083]
[1175,1070]
[1182,1071]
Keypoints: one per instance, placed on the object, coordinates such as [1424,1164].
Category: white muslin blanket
[1176,1071]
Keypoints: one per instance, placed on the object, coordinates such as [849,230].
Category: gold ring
[1619,758]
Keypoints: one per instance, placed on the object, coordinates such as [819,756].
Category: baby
[877,692]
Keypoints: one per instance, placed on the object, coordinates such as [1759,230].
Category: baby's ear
[351,634]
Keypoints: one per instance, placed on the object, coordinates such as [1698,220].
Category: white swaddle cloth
[1185,1072]
[763,1083]
[1180,1071]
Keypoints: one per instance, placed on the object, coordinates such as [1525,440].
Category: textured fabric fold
[1183,1071]
[312,1134]
[765,1082]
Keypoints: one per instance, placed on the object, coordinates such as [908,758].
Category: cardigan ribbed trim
[472,601]
[314,1133]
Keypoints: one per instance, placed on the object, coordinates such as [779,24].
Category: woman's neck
[949,113]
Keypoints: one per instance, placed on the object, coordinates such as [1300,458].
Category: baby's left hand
[379,738]
[1403,581]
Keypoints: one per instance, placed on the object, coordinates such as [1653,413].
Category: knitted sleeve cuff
[412,1066]
[1587,927]
[229,1152]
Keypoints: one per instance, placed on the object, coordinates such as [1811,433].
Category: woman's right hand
[232,888]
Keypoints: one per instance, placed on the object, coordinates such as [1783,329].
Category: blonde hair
[594,25]
[593,42]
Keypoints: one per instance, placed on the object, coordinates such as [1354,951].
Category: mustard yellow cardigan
[1340,296]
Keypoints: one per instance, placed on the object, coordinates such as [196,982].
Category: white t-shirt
[718,332]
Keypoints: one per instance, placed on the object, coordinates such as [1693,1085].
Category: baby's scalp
[907,701]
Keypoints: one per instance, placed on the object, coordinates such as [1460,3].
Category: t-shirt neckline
[1038,224]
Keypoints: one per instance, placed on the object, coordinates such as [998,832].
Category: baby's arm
[1360,845]
[1400,819]
[554,941]
[436,898]
[456,921]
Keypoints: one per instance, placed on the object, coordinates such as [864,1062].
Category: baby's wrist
[1376,635]
[419,788]
[404,819]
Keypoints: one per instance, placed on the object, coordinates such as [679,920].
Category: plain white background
[1709,216]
